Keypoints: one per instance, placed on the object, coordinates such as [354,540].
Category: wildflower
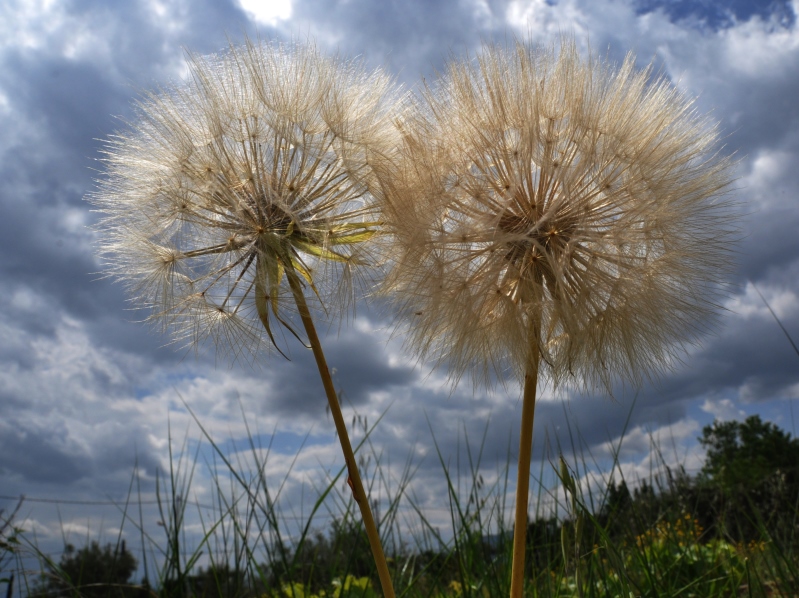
[237,203]
[556,218]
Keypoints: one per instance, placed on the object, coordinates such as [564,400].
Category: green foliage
[349,587]
[750,479]
[741,456]
[92,571]
[672,557]
[343,553]
[211,582]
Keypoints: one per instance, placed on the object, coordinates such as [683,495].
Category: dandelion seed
[555,218]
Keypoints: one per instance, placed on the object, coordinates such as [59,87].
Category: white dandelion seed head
[552,208]
[257,165]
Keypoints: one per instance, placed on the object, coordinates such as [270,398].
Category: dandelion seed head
[548,207]
[255,166]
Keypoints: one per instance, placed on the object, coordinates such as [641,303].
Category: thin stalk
[525,456]
[354,479]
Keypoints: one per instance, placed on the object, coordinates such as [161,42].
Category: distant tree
[754,465]
[92,572]
[617,510]
[742,455]
[544,547]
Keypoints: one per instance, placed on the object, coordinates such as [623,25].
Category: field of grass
[672,535]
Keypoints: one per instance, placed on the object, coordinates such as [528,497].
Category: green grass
[585,540]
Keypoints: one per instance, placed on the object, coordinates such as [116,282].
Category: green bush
[92,572]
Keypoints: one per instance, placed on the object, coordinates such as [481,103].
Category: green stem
[523,473]
[354,479]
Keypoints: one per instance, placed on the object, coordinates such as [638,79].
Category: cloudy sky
[86,391]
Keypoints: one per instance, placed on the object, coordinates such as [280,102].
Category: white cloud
[723,409]
[268,12]
[34,527]
[29,23]
[782,300]
[39,24]
[482,13]
[760,48]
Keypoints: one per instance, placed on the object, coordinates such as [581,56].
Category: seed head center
[274,219]
[530,239]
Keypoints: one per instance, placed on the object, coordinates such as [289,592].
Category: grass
[585,539]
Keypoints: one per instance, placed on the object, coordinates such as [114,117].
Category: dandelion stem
[354,479]
[525,454]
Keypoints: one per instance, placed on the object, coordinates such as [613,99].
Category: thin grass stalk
[354,478]
[269,508]
[145,565]
[525,455]
[454,501]
[390,517]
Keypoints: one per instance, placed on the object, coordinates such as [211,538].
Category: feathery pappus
[255,166]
